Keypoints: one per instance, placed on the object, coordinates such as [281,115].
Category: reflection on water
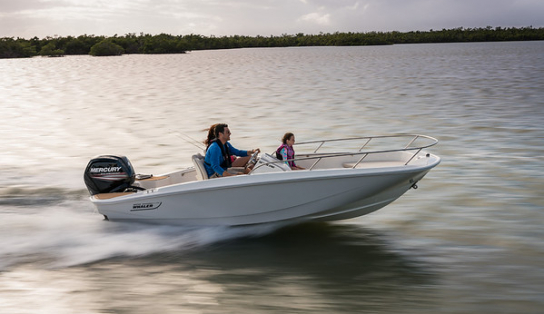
[315,267]
[329,267]
[469,240]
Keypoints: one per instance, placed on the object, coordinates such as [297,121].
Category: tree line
[164,43]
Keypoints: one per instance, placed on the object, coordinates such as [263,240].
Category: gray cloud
[28,18]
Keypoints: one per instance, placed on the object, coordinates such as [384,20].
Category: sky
[42,18]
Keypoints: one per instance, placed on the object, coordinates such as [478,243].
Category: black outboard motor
[108,174]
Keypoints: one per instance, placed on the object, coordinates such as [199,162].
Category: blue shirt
[214,158]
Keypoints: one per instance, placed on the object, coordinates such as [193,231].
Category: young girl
[286,151]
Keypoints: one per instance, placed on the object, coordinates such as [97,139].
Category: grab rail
[411,138]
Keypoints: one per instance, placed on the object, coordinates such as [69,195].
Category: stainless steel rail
[410,139]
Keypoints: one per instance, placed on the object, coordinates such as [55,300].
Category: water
[469,240]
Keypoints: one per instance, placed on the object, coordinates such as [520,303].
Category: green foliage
[164,43]
[16,48]
[106,48]
[81,45]
[51,50]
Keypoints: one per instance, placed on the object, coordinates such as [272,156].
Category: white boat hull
[295,196]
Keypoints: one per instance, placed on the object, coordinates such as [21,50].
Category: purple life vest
[290,154]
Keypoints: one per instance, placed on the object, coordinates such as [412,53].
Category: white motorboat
[343,179]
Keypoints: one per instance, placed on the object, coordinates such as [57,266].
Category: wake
[59,237]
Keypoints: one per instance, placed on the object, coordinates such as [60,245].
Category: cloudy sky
[29,18]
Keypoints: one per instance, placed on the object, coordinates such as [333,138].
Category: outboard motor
[108,174]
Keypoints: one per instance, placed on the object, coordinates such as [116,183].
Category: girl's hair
[286,136]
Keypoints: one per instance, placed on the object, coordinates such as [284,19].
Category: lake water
[469,240]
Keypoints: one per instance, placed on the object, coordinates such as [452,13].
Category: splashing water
[62,237]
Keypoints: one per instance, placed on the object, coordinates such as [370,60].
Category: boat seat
[198,161]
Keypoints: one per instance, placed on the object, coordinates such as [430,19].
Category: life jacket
[290,154]
[227,163]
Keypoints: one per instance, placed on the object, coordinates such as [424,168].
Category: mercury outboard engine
[108,174]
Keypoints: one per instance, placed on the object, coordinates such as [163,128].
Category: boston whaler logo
[145,206]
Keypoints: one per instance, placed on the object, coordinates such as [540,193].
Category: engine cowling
[108,174]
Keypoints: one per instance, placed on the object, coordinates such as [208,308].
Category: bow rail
[362,146]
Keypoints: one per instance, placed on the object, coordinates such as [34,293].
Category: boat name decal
[145,206]
[105,169]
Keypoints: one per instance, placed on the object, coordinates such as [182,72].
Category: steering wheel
[252,160]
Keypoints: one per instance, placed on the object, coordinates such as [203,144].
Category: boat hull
[297,196]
